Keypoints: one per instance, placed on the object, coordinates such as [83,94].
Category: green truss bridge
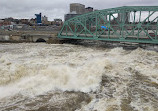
[123,24]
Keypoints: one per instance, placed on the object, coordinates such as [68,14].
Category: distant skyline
[57,8]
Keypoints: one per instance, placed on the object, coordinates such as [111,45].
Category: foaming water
[95,78]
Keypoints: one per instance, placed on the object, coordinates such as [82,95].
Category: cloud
[57,8]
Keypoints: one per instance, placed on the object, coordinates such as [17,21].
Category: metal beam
[88,26]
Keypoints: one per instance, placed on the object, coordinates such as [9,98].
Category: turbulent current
[64,77]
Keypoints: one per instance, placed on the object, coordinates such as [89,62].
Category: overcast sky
[57,8]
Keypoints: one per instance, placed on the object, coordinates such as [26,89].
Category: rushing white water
[115,79]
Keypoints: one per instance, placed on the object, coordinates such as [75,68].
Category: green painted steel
[124,24]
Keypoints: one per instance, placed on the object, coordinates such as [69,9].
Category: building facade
[126,16]
[69,16]
[38,18]
[78,8]
[88,9]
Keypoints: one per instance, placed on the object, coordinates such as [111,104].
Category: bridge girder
[123,24]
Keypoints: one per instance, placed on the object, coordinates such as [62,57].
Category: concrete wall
[15,38]
[4,37]
[27,38]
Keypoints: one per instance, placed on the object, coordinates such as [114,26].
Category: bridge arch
[122,24]
[40,40]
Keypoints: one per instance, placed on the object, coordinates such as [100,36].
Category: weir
[137,24]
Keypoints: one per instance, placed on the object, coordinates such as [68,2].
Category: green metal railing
[123,24]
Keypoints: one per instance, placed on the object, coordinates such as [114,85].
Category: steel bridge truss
[123,24]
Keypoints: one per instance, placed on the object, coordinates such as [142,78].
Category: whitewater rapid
[109,79]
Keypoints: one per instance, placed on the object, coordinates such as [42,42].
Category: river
[66,77]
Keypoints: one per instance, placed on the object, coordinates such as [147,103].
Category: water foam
[34,77]
[117,79]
